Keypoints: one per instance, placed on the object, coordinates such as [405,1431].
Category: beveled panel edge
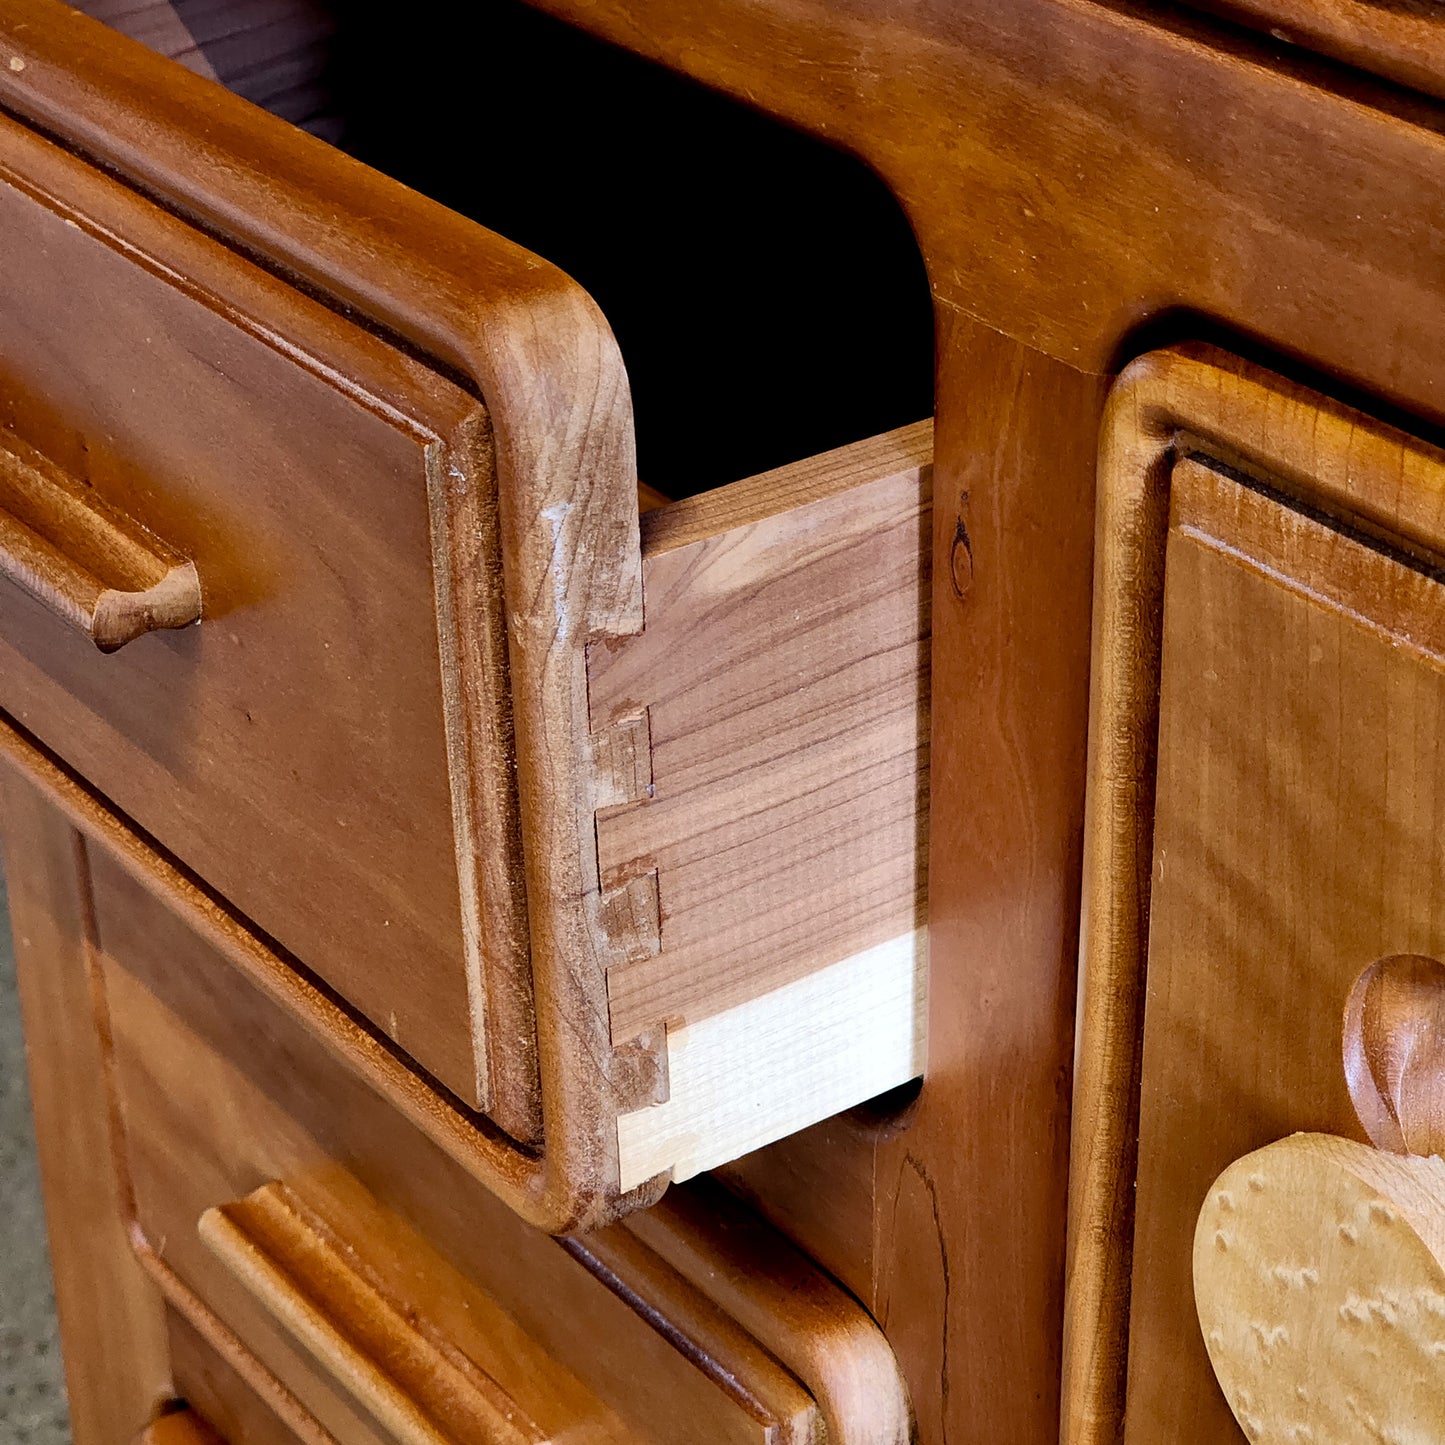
[1188,396]
[540,354]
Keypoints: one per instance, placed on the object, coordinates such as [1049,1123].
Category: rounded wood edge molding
[539,352]
[485,1154]
[785,1301]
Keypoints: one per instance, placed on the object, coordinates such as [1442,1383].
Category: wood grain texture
[1295,645]
[823,843]
[117,1368]
[541,356]
[610,1338]
[319,1287]
[762,1069]
[1319,1277]
[1142,180]
[805,1319]
[588,1355]
[305,467]
[782,673]
[893,1200]
[89,564]
[963,1302]
[1135,169]
[766,869]
[1120,164]
[1122,198]
[1400,39]
[224,1399]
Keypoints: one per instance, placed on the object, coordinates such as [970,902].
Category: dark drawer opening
[765,288]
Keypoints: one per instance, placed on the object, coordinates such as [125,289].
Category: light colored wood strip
[784,670]
[822,1043]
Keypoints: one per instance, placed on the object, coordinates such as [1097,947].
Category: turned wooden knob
[1394,1048]
[1319,1262]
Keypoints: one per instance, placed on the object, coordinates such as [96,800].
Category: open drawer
[601,845]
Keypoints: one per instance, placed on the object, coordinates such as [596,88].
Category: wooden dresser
[482,925]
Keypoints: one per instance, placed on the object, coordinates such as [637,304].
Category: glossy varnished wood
[570,581]
[322,1287]
[117,1371]
[222,1404]
[563,507]
[568,1333]
[1394,1049]
[1072,170]
[284,747]
[91,565]
[1400,39]
[1319,1262]
[1282,632]
[709,1328]
[892,1204]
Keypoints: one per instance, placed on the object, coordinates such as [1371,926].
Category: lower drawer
[222,1407]
[279,1202]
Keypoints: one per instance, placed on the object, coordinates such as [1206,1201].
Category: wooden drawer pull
[317,1287]
[87,562]
[1394,1045]
[179,1427]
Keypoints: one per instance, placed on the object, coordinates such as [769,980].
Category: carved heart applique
[1319,1263]
[1319,1277]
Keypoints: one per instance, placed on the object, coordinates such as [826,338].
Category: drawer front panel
[1299,835]
[1271,610]
[220,1095]
[223,1408]
[634,999]
[346,1252]
[291,749]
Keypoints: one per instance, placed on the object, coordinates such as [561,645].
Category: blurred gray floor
[32,1392]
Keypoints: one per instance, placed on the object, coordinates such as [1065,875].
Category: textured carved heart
[1319,1277]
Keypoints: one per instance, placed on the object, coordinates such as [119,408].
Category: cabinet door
[1267,793]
